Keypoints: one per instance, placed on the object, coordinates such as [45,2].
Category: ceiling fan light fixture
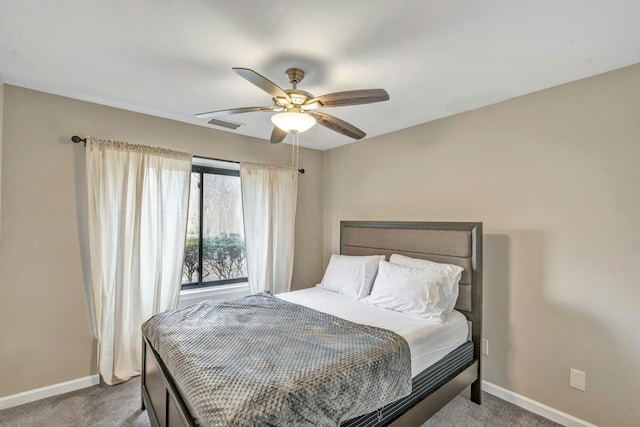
[293,122]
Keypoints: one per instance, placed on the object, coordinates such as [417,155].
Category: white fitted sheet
[429,341]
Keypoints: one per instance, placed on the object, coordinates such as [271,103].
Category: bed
[433,387]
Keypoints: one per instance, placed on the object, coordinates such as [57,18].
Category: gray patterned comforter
[262,361]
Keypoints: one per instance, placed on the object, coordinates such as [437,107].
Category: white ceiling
[173,58]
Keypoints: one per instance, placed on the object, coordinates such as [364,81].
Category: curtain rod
[76,140]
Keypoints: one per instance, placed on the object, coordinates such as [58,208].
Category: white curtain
[137,202]
[269,195]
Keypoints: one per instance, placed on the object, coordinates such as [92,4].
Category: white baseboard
[48,391]
[535,407]
[504,394]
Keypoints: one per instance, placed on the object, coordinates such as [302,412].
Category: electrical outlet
[577,379]
[485,346]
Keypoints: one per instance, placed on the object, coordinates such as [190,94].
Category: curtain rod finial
[76,139]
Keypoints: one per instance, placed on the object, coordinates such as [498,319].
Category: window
[215,251]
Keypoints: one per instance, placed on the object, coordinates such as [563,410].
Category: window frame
[216,170]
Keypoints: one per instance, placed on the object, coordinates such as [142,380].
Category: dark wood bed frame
[457,243]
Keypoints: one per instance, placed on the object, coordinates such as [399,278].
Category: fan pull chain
[295,150]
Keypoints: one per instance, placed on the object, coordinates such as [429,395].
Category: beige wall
[555,177]
[45,331]
[1,133]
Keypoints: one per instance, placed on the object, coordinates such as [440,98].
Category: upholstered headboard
[458,243]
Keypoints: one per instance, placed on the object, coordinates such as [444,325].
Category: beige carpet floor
[119,405]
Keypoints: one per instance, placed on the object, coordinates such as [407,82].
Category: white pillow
[351,275]
[449,288]
[414,291]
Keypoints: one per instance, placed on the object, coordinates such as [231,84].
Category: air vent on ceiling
[224,124]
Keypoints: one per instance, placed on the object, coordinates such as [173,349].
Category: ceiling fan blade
[350,97]
[234,111]
[262,82]
[278,135]
[338,125]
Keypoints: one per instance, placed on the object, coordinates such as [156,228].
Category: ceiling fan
[298,109]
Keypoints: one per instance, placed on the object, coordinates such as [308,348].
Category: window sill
[193,296]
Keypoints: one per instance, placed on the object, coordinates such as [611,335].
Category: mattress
[428,341]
